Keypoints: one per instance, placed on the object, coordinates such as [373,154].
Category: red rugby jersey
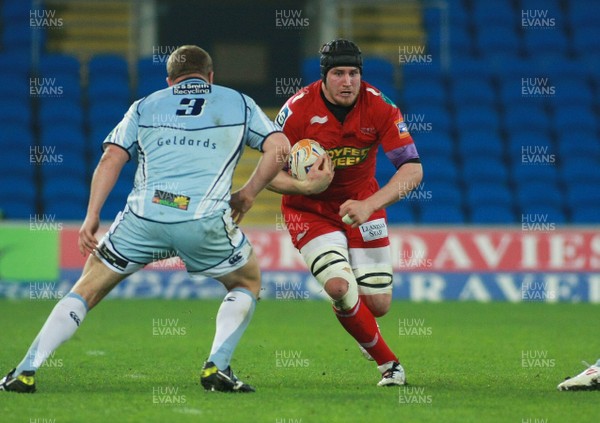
[373,120]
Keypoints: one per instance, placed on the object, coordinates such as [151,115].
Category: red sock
[360,323]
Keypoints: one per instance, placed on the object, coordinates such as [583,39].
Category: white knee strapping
[332,262]
[374,279]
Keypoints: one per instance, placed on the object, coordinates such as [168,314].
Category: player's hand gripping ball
[302,156]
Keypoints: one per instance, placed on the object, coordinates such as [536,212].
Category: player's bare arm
[105,176]
[275,151]
[317,179]
[407,178]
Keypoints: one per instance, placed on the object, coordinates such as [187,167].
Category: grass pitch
[139,361]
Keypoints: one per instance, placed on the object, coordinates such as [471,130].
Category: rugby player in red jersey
[338,212]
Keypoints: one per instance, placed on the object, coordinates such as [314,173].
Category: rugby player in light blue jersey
[188,139]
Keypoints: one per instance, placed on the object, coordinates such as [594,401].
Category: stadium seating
[467,91]
[492,214]
[476,143]
[434,213]
[480,126]
[488,194]
[151,76]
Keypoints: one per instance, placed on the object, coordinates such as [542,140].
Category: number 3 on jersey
[192,106]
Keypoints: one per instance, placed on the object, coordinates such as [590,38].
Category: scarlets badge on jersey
[282,116]
[402,128]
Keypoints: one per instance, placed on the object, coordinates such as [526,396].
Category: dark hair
[187,60]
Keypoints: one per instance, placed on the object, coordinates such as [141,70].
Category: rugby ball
[302,156]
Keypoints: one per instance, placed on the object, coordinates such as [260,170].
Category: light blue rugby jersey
[189,139]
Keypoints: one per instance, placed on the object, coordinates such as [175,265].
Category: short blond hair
[188,59]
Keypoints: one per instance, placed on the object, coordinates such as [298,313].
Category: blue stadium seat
[457,12]
[435,143]
[68,203]
[489,194]
[52,64]
[514,71]
[539,194]
[479,142]
[423,119]
[439,192]
[586,215]
[18,36]
[415,92]
[64,137]
[467,91]
[572,92]
[106,114]
[384,169]
[524,117]
[19,87]
[16,162]
[540,41]
[492,215]
[524,173]
[421,74]
[532,147]
[497,39]
[151,77]
[461,41]
[469,69]
[579,143]
[432,213]
[57,111]
[512,91]
[378,68]
[15,136]
[114,88]
[488,170]
[400,213]
[112,206]
[580,117]
[108,66]
[580,13]
[72,164]
[583,195]
[579,171]
[17,196]
[439,168]
[560,70]
[311,70]
[493,12]
[552,6]
[16,111]
[56,86]
[16,10]
[477,117]
[16,64]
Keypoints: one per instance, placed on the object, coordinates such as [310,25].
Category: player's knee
[375,284]
[336,288]
[378,304]
[247,277]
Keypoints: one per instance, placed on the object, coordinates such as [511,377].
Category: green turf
[464,363]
